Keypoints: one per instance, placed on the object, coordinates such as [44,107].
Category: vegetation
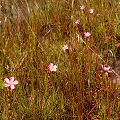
[33,34]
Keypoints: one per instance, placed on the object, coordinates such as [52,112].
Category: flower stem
[10,104]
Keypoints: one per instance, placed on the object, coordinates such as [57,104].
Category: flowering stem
[49,82]
[108,96]
[9,103]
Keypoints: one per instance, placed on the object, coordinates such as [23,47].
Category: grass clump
[33,34]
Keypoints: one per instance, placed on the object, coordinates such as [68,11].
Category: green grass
[32,35]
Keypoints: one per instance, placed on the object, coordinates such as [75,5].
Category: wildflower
[82,7]
[10,82]
[87,34]
[52,67]
[91,11]
[77,21]
[65,47]
[106,68]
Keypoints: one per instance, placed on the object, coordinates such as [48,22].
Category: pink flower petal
[110,71]
[102,66]
[15,82]
[82,7]
[6,85]
[77,21]
[50,65]
[12,87]
[11,79]
[87,34]
[104,69]
[108,67]
[65,47]
[7,80]
[55,67]
[91,11]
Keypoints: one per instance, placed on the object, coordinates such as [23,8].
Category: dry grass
[32,36]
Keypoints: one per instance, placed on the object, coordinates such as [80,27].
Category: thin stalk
[10,93]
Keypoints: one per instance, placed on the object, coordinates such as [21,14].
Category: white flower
[87,34]
[91,11]
[82,7]
[10,82]
[52,67]
[65,47]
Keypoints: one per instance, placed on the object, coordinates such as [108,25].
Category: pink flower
[65,47]
[87,34]
[82,7]
[91,11]
[10,82]
[52,67]
[106,68]
[77,21]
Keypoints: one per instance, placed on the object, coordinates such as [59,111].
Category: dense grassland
[32,35]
